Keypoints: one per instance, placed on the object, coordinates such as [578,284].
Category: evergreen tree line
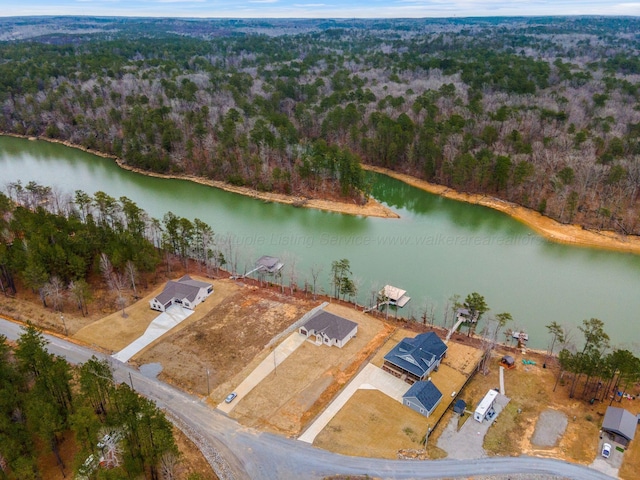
[607,373]
[54,243]
[511,108]
[43,400]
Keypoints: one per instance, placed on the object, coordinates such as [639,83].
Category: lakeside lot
[231,333]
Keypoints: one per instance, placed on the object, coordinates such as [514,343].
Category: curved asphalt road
[249,454]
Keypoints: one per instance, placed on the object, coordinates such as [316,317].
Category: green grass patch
[502,437]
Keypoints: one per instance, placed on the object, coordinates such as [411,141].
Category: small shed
[620,425]
[508,362]
[460,406]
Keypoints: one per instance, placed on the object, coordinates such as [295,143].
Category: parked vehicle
[230,397]
[606,450]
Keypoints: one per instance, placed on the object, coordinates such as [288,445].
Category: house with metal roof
[329,329]
[423,397]
[620,425]
[394,296]
[413,359]
[185,291]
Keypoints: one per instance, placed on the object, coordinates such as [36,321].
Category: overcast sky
[318,8]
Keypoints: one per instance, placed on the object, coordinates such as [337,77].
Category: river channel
[438,247]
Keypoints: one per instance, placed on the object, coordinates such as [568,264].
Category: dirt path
[545,226]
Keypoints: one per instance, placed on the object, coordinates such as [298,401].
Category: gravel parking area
[550,426]
[467,442]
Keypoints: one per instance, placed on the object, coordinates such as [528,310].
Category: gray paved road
[244,453]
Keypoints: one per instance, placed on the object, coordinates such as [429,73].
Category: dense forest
[59,245]
[543,112]
[43,398]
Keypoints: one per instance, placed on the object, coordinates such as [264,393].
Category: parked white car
[606,450]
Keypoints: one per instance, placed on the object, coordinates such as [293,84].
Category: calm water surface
[437,248]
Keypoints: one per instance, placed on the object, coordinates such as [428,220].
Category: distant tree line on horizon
[543,112]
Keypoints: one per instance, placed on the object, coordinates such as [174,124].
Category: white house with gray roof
[184,291]
[329,329]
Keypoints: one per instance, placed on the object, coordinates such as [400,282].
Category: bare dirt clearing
[234,326]
[301,386]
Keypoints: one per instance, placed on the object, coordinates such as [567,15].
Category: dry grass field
[115,331]
[530,388]
[372,424]
[301,386]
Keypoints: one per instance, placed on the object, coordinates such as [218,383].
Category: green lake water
[437,248]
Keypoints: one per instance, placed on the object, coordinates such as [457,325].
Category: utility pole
[64,325]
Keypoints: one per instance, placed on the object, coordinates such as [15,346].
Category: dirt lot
[310,376]
[231,330]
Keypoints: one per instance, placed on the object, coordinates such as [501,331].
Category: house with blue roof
[423,397]
[413,359]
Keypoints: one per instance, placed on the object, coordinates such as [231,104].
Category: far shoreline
[552,230]
[546,227]
[371,209]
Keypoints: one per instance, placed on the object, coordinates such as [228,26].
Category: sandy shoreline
[371,209]
[548,228]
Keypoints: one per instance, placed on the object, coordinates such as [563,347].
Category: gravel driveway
[467,443]
[550,426]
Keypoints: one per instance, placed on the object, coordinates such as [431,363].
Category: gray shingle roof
[331,325]
[183,288]
[620,421]
[416,355]
[426,393]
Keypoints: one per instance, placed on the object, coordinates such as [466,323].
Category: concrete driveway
[610,465]
[164,322]
[371,378]
[268,365]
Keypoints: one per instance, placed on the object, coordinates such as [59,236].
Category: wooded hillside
[540,111]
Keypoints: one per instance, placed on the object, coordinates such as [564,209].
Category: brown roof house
[329,329]
[184,291]
[620,425]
